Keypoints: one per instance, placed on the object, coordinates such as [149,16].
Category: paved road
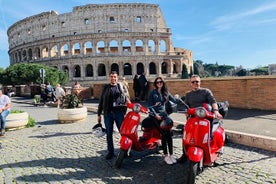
[69,153]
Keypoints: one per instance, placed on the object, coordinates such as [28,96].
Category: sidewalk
[255,128]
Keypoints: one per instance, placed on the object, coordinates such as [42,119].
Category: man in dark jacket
[111,104]
[196,97]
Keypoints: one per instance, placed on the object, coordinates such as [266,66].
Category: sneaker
[172,159]
[109,156]
[168,160]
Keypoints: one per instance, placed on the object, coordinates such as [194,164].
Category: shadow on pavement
[237,114]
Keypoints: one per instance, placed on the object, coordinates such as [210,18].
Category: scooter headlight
[200,112]
[136,108]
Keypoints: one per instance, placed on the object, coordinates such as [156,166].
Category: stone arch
[174,68]
[76,49]
[19,56]
[24,55]
[65,69]
[77,71]
[15,57]
[140,68]
[115,67]
[45,52]
[152,68]
[163,48]
[88,47]
[64,50]
[151,46]
[127,69]
[89,70]
[101,70]
[139,45]
[30,54]
[126,46]
[164,68]
[54,51]
[37,53]
[100,47]
[113,46]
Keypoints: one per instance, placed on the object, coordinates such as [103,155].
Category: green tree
[26,73]
[260,71]
[241,72]
[2,70]
[196,71]
[184,72]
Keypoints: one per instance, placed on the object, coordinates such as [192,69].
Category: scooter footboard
[195,154]
[125,143]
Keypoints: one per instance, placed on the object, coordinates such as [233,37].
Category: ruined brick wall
[241,92]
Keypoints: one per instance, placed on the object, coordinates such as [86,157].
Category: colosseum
[94,39]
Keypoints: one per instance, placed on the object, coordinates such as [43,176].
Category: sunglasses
[195,82]
[159,82]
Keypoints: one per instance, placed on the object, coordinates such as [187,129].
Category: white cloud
[236,18]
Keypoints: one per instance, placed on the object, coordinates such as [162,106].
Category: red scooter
[203,138]
[129,134]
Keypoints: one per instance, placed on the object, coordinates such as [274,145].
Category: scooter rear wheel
[119,160]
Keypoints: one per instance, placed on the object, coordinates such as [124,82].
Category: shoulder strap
[121,87]
[123,90]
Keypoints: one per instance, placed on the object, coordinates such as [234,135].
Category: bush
[71,101]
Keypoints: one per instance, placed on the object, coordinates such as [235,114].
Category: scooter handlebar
[137,107]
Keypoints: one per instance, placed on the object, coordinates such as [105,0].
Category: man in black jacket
[112,104]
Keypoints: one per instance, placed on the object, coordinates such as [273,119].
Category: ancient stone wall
[94,39]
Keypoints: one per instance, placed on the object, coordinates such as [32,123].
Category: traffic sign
[42,72]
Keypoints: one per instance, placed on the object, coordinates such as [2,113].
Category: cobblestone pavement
[69,153]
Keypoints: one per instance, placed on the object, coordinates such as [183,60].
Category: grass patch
[31,122]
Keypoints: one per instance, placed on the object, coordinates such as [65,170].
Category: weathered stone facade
[94,39]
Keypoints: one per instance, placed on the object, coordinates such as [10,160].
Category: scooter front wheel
[192,171]
[119,160]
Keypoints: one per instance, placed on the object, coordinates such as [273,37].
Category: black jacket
[110,95]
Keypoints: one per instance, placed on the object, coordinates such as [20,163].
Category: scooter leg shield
[195,154]
[218,139]
[125,143]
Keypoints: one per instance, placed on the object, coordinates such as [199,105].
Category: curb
[252,140]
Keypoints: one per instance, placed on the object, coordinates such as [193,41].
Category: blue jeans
[3,116]
[109,119]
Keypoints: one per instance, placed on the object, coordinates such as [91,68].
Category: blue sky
[236,32]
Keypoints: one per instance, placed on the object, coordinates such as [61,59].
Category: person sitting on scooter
[157,99]
[196,97]
[113,111]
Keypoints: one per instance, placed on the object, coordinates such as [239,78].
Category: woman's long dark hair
[164,89]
